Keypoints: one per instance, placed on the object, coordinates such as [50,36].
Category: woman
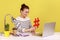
[25,24]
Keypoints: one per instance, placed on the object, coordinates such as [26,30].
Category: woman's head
[24,10]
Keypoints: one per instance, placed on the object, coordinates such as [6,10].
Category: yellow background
[46,10]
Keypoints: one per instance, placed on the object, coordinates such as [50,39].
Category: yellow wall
[46,10]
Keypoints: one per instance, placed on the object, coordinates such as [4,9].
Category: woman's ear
[20,11]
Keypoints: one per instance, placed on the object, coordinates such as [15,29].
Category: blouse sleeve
[30,25]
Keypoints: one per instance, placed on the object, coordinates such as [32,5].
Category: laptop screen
[49,29]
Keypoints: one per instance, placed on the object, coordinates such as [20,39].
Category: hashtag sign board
[36,22]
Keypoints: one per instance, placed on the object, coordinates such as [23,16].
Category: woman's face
[24,12]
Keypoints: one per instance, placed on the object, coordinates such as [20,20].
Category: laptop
[48,29]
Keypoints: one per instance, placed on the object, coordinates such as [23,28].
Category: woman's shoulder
[22,19]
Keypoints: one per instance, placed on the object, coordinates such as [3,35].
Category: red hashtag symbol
[36,22]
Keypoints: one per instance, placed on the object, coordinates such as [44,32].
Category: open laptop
[48,29]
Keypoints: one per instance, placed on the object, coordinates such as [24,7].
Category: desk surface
[56,36]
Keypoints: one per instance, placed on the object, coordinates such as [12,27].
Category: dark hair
[23,6]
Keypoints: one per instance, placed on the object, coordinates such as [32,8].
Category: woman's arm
[30,30]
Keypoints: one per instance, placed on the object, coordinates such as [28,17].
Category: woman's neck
[22,16]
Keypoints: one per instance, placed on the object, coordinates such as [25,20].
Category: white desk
[56,36]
